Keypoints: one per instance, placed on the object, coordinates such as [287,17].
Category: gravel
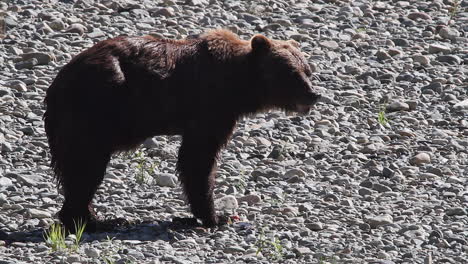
[376,173]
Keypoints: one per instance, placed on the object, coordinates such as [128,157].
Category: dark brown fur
[121,91]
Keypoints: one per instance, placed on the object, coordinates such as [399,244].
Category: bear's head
[285,74]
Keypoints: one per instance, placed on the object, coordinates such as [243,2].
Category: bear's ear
[260,42]
[294,43]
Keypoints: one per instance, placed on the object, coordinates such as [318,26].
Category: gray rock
[41,57]
[251,18]
[395,52]
[421,59]
[302,251]
[387,172]
[166,180]
[44,28]
[233,250]
[28,64]
[436,48]
[3,92]
[449,33]
[76,28]
[329,44]
[15,51]
[74,258]
[347,202]
[166,12]
[451,59]
[421,158]
[419,15]
[397,106]
[151,143]
[57,24]
[435,86]
[456,211]
[381,188]
[135,253]
[251,199]
[92,252]
[17,85]
[365,192]
[96,34]
[27,179]
[428,176]
[380,220]
[317,226]
[383,55]
[401,42]
[294,173]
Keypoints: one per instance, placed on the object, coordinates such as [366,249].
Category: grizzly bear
[114,95]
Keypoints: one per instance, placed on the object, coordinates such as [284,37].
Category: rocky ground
[377,173]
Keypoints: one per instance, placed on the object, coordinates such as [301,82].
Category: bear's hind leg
[81,175]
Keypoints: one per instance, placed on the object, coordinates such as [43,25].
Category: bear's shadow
[145,231]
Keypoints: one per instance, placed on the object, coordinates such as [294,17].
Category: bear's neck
[232,79]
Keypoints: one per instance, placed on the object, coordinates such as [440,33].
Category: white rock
[420,158]
[28,180]
[196,2]
[463,105]
[329,44]
[228,202]
[36,213]
[5,182]
[436,48]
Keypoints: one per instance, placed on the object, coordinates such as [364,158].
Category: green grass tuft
[55,237]
[270,247]
[453,11]
[80,227]
[381,116]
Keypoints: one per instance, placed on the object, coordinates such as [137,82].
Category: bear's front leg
[196,165]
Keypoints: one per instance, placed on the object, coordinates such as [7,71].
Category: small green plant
[80,227]
[270,247]
[453,10]
[382,118]
[106,254]
[142,166]
[110,239]
[55,237]
[361,30]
